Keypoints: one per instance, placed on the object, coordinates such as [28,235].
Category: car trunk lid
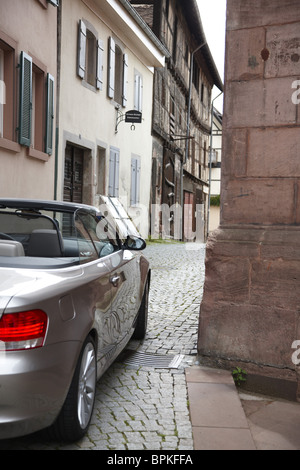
[11,282]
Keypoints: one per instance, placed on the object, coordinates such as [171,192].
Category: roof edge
[147,30]
[205,49]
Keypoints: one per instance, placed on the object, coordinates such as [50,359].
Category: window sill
[10,145]
[31,152]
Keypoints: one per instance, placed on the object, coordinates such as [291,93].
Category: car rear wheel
[142,319]
[75,416]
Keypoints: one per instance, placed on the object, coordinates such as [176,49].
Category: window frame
[9,139]
[117,83]
[138,91]
[2,92]
[36,108]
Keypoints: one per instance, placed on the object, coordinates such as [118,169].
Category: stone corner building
[250,313]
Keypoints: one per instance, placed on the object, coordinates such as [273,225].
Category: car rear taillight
[23,330]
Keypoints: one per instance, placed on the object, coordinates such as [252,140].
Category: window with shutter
[91,59]
[49,115]
[89,56]
[117,73]
[37,140]
[8,92]
[25,99]
[2,91]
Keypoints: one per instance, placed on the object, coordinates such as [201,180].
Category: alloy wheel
[86,385]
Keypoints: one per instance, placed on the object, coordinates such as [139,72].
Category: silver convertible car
[74,290]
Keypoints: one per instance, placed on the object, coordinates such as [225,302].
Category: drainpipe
[59,19]
[187,130]
[210,157]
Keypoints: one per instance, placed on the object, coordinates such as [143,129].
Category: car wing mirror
[134,243]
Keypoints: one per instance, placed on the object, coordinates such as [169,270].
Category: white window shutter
[138,92]
[111,68]
[125,79]
[81,49]
[99,78]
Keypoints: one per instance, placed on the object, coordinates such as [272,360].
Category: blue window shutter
[49,115]
[111,68]
[99,78]
[111,176]
[113,181]
[138,173]
[81,49]
[135,181]
[25,99]
[117,166]
[125,79]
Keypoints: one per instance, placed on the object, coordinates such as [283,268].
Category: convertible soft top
[40,204]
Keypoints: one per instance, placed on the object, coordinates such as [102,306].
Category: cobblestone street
[141,401]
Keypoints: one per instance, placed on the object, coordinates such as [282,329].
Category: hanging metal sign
[133,116]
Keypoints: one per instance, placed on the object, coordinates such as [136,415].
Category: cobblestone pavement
[141,401]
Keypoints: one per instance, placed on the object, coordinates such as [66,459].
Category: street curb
[217,416]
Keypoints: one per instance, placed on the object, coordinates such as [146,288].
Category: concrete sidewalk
[224,419]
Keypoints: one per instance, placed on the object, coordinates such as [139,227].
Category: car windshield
[48,239]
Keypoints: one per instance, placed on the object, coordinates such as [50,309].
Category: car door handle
[115,280]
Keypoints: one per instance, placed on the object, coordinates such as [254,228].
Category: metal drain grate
[135,358]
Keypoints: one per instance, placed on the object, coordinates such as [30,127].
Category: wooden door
[73,177]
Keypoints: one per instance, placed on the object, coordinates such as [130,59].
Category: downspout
[187,133]
[57,96]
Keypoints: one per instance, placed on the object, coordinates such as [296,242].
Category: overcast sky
[213,17]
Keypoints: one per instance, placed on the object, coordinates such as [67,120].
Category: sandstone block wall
[250,311]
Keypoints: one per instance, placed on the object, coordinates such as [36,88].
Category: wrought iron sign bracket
[133,116]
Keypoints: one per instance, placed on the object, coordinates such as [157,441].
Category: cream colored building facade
[107,58]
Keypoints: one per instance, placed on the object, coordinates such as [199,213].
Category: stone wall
[250,313]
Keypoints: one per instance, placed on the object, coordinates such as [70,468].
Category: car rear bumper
[33,387]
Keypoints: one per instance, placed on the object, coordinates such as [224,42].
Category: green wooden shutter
[25,99]
[49,115]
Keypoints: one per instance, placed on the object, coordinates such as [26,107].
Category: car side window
[96,239]
[86,248]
